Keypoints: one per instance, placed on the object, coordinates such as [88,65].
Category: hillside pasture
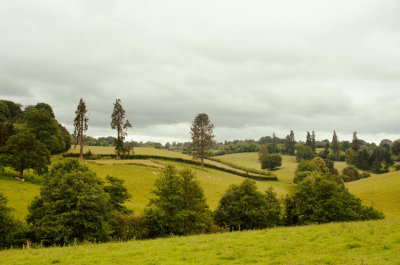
[372,242]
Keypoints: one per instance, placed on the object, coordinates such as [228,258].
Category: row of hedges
[247,169]
[262,177]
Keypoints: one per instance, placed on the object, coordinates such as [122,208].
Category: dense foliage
[271,161]
[23,151]
[317,199]
[351,173]
[178,206]
[304,152]
[244,207]
[12,232]
[72,206]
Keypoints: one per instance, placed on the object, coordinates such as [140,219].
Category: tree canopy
[23,151]
[119,123]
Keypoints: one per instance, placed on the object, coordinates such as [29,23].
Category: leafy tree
[46,107]
[271,161]
[335,145]
[317,199]
[202,137]
[304,152]
[12,232]
[72,206]
[262,152]
[118,122]
[118,194]
[80,125]
[386,143]
[381,160]
[9,111]
[290,144]
[47,130]
[179,206]
[395,148]
[344,145]
[244,207]
[23,151]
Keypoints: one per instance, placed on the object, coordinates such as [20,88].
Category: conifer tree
[202,137]
[274,144]
[355,144]
[313,144]
[335,145]
[118,122]
[308,139]
[290,143]
[80,124]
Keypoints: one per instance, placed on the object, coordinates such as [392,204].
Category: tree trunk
[81,150]
[21,173]
[202,162]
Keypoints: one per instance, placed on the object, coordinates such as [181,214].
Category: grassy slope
[381,191]
[140,181]
[373,242]
[19,195]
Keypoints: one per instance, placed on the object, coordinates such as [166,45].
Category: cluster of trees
[29,137]
[118,122]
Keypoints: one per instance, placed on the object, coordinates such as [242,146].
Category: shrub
[317,199]
[351,173]
[243,207]
[128,227]
[271,161]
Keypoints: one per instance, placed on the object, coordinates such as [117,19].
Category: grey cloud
[255,67]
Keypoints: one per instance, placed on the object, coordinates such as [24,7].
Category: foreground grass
[373,242]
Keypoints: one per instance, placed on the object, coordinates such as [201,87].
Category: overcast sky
[255,67]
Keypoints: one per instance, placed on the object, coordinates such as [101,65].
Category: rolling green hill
[372,242]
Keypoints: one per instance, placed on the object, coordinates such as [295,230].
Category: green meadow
[372,242]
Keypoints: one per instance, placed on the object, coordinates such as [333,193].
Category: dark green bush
[243,207]
[271,161]
[317,199]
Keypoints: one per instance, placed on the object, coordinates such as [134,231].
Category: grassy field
[372,242]
[19,195]
[137,150]
[381,191]
[139,180]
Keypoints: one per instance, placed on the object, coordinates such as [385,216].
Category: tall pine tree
[118,122]
[355,143]
[202,137]
[274,144]
[290,143]
[80,124]
[308,139]
[313,144]
[335,145]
